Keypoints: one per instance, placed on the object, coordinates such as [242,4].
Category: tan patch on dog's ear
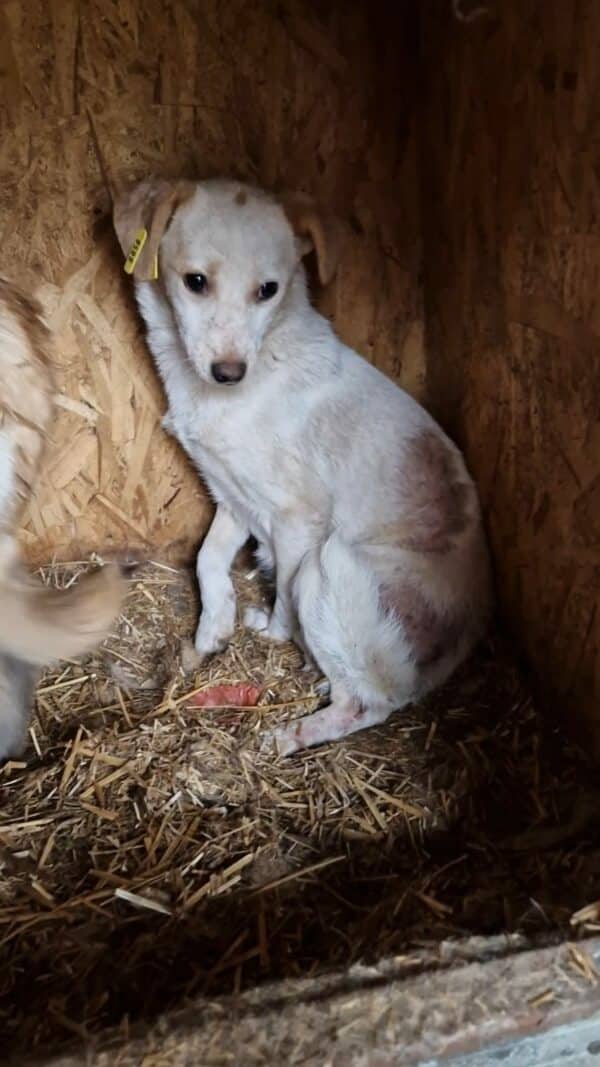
[150,206]
[315,230]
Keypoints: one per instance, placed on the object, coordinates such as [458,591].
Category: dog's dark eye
[267,290]
[196,283]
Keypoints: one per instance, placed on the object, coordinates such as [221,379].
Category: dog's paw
[278,630]
[190,659]
[205,649]
[323,688]
[211,638]
[266,624]
[283,740]
[267,745]
[257,619]
[310,665]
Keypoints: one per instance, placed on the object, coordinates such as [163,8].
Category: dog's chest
[235,460]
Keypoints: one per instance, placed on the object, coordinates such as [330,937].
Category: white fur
[305,454]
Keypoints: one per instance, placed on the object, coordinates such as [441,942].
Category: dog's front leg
[217,621]
[281,624]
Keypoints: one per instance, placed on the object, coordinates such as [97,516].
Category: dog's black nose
[227,372]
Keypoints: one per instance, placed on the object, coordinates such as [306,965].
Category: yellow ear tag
[139,241]
[154,274]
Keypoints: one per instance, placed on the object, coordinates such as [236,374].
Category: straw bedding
[149,851]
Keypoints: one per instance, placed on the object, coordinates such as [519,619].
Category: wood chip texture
[512,272]
[292,96]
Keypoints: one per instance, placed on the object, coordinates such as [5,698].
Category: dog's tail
[39,625]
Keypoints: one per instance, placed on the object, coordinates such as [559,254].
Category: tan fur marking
[434,498]
[429,633]
[437,495]
[314,230]
[241,197]
[150,204]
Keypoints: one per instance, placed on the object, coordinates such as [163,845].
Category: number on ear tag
[139,241]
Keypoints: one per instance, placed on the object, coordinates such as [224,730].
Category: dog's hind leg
[343,715]
[355,641]
[281,624]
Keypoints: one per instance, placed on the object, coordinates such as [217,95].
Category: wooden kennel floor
[150,852]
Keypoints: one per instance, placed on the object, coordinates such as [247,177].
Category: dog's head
[225,255]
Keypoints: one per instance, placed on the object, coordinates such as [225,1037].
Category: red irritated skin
[243,695]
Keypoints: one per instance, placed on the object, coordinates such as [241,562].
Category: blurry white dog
[37,624]
[358,500]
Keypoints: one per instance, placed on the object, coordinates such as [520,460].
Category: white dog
[356,497]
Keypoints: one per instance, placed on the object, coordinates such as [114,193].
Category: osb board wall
[511,173]
[287,94]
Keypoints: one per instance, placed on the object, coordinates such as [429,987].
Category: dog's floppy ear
[141,214]
[314,230]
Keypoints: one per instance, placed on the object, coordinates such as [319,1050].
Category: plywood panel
[511,171]
[294,94]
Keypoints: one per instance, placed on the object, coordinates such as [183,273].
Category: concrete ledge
[483,1001]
